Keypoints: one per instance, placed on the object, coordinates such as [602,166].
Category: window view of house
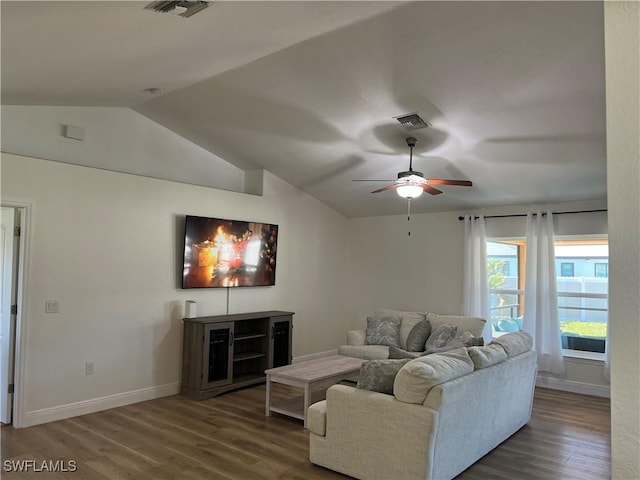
[601,270]
[582,269]
[567,269]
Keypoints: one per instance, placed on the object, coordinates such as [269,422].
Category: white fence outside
[582,299]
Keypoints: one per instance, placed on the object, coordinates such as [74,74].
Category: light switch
[76,133]
[51,306]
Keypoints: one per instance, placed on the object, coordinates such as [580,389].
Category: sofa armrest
[373,435]
[317,418]
[356,337]
[379,411]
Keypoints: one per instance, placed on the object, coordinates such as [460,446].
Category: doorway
[12,250]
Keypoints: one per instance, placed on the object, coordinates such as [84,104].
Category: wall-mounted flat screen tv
[228,253]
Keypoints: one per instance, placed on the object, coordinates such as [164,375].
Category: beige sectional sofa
[447,410]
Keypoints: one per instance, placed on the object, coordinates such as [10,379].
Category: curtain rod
[543,213]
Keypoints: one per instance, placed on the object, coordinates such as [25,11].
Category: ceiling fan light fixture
[409,191]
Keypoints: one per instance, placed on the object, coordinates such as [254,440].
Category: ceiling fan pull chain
[409,213]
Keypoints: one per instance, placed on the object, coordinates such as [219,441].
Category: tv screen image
[228,253]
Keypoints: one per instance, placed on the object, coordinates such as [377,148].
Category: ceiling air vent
[182,8]
[412,121]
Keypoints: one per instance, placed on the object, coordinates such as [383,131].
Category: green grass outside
[584,329]
[574,327]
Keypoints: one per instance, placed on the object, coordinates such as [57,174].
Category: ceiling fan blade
[429,189]
[388,187]
[441,181]
[368,180]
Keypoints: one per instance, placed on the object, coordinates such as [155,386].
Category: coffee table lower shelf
[294,407]
[314,377]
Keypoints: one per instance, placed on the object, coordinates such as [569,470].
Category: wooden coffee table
[314,376]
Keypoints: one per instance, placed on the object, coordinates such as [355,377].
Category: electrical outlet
[89,368]
[51,306]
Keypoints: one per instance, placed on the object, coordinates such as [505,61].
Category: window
[506,286]
[582,269]
[506,269]
[601,270]
[567,269]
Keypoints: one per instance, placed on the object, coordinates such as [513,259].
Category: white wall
[594,223]
[116,139]
[423,271]
[107,246]
[622,49]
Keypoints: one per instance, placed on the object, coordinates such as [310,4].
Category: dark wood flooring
[228,437]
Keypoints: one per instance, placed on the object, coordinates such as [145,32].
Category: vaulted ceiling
[514,91]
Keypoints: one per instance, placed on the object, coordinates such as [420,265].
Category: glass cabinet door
[217,366]
[281,341]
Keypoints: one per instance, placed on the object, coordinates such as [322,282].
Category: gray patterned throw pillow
[418,336]
[383,331]
[379,375]
[442,337]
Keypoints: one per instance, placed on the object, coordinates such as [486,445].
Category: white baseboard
[313,356]
[574,387]
[84,407]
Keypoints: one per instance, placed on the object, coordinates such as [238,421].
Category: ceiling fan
[411,183]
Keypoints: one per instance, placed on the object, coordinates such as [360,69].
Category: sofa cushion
[383,331]
[378,375]
[514,343]
[419,376]
[409,320]
[395,352]
[356,337]
[475,325]
[418,336]
[486,356]
[441,337]
[366,352]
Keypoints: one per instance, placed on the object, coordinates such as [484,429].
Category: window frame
[521,259]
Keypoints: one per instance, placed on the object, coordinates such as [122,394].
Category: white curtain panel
[541,318]
[607,356]
[476,285]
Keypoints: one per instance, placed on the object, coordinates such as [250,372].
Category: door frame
[26,211]
[10,218]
